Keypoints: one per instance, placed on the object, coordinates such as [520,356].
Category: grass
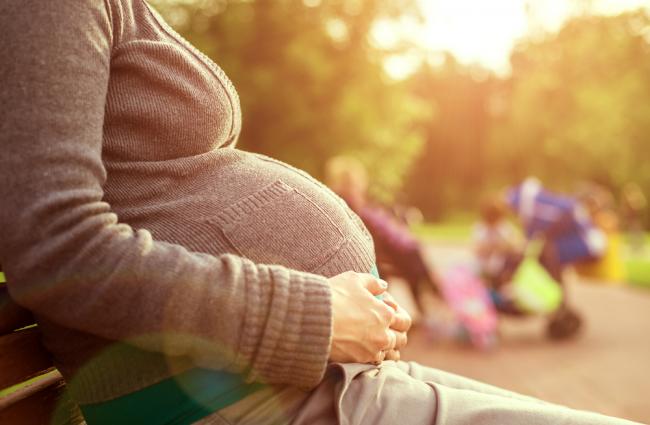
[456,232]
[457,229]
[638,271]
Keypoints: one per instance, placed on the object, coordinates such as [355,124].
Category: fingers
[390,301]
[401,321]
[397,340]
[362,324]
[401,339]
[393,341]
[372,284]
[382,341]
[380,357]
[392,355]
[385,344]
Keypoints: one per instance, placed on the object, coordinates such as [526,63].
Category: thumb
[374,285]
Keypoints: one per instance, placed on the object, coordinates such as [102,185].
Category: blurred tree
[311,85]
[576,107]
[451,168]
[579,105]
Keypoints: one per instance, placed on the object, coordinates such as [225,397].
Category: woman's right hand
[361,322]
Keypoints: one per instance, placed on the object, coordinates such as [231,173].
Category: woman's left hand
[400,326]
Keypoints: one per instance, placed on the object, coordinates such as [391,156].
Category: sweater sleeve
[70,260]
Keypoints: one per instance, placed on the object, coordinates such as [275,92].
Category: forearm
[223,312]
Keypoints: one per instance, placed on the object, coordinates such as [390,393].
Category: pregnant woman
[137,234]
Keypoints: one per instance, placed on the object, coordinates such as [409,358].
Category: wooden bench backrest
[31,388]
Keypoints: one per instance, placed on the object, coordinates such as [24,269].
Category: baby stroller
[566,235]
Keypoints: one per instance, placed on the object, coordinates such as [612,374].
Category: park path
[606,369]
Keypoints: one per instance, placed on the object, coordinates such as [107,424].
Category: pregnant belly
[258,208]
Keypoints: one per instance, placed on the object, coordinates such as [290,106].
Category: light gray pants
[401,393]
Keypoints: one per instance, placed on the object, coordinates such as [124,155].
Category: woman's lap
[403,393]
[465,401]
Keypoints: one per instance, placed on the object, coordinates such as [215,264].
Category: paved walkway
[606,369]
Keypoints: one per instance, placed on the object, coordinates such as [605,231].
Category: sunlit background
[446,101]
[485,32]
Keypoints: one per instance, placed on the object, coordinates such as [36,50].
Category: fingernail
[383,283]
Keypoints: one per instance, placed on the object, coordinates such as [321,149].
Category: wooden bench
[32,391]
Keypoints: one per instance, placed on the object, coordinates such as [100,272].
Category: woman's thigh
[407,393]
[465,401]
[450,380]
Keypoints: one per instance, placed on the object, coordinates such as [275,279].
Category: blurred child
[633,209]
[496,242]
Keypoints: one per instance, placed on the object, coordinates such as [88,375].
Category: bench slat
[36,409]
[12,316]
[38,385]
[51,406]
[22,356]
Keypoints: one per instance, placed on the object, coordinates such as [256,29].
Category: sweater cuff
[289,341]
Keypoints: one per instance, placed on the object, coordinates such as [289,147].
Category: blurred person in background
[399,252]
[599,203]
[498,248]
[634,206]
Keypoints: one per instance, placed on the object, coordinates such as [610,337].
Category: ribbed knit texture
[131,225]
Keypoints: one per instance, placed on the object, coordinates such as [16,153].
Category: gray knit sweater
[132,227]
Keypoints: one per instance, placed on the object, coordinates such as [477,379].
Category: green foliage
[310,84]
[576,107]
[579,105]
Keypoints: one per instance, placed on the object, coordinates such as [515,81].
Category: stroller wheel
[564,324]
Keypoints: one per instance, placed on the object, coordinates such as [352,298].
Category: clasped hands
[366,329]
